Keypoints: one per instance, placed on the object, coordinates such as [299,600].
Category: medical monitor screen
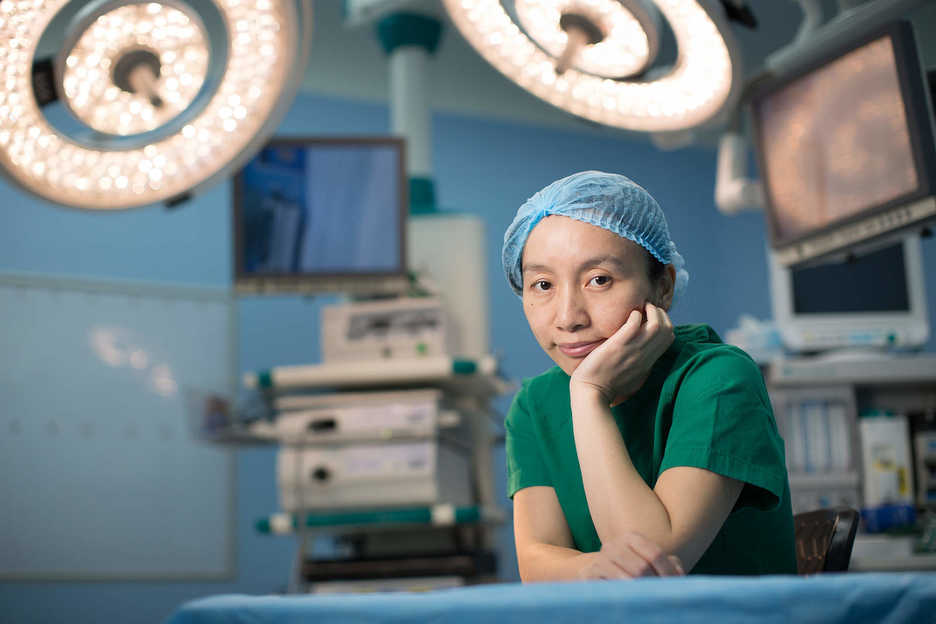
[874,282]
[322,215]
[845,139]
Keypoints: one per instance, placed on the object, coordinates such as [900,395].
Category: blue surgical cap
[608,200]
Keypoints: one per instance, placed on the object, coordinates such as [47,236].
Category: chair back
[824,539]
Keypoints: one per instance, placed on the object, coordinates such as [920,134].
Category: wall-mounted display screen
[324,214]
[846,146]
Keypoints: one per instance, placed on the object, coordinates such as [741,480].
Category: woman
[648,449]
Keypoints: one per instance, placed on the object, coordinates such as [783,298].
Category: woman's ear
[666,287]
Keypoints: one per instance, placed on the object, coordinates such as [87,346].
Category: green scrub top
[704,405]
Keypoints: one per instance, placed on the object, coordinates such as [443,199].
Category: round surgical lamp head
[594,58]
[126,69]
[163,97]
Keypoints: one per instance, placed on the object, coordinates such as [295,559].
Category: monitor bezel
[914,90]
[391,282]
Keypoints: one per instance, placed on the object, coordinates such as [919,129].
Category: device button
[321,474]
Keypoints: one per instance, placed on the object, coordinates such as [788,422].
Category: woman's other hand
[630,556]
[618,368]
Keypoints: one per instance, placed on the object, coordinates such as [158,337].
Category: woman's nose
[571,312]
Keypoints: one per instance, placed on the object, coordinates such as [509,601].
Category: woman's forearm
[546,562]
[618,498]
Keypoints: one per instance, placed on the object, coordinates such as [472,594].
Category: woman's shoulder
[705,367]
[698,348]
[698,335]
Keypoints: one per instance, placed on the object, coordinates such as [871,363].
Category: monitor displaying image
[846,146]
[838,141]
[322,215]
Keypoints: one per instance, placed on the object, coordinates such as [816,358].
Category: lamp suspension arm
[812,19]
[853,18]
[734,191]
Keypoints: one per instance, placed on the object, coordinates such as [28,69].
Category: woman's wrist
[583,564]
[547,562]
[585,393]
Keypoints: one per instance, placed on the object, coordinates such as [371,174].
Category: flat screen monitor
[322,214]
[845,145]
[874,300]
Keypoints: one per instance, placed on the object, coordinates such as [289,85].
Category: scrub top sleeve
[525,466]
[722,422]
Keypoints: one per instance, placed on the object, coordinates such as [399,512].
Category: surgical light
[135,68]
[166,96]
[593,58]
[601,37]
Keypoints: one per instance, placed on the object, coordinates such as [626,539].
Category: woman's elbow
[526,565]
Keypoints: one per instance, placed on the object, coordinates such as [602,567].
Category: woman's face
[580,283]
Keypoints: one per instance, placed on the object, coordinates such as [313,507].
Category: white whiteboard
[100,477]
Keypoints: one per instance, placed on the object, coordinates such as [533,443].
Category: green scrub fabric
[704,405]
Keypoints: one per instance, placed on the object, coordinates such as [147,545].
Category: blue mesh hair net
[608,200]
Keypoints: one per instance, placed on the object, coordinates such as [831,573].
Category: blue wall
[483,167]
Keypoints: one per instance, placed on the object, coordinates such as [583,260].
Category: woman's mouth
[579,349]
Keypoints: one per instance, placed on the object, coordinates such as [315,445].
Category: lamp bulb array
[624,48]
[261,36]
[691,93]
[151,93]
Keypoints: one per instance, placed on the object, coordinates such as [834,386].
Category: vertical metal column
[409,39]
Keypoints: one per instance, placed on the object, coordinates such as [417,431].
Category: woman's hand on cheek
[618,368]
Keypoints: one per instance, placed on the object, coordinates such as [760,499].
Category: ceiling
[347,61]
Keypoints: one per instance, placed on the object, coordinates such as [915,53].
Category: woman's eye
[600,280]
[541,285]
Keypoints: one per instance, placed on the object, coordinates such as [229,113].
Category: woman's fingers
[658,328]
[636,556]
[609,570]
[677,564]
[605,569]
[658,561]
[633,565]
[667,321]
[641,327]
[632,556]
[631,328]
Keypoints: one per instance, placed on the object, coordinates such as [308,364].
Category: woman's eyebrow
[619,264]
[534,267]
